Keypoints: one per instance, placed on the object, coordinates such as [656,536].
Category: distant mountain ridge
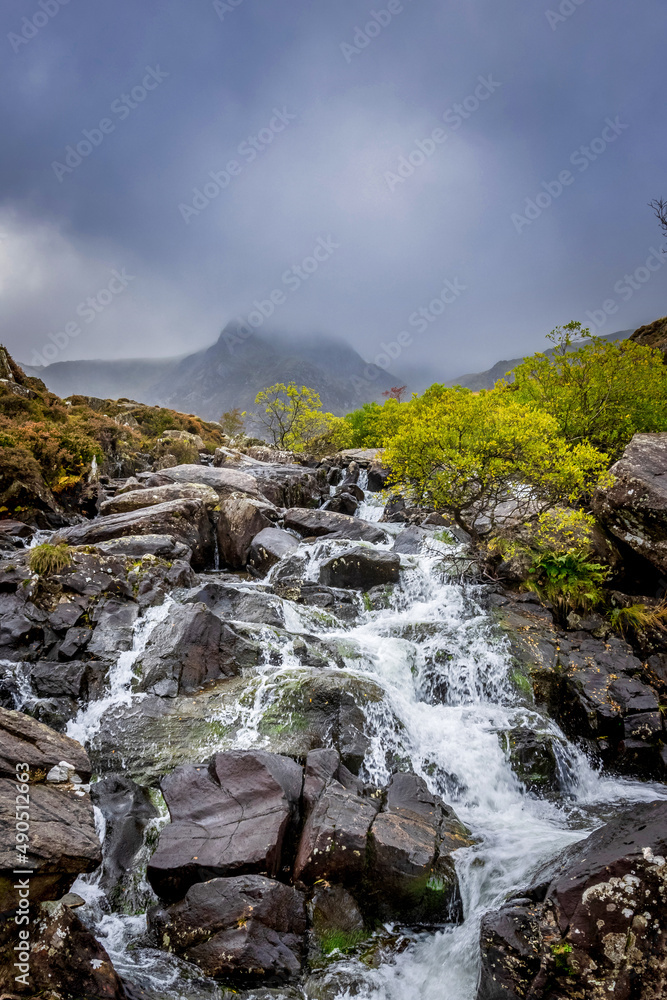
[487,379]
[227,374]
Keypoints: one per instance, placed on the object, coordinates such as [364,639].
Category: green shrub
[570,579]
[46,559]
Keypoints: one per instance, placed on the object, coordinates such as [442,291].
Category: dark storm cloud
[224,143]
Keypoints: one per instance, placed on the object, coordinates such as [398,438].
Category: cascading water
[448,700]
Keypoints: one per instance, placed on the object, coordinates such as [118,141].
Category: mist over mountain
[227,374]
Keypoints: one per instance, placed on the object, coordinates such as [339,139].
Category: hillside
[48,447]
[487,379]
[228,374]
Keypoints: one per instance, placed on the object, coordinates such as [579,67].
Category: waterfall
[446,676]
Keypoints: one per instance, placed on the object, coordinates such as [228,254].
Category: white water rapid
[448,698]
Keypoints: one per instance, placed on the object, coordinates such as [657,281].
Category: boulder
[360,569]
[232,817]
[592,925]
[25,741]
[336,601]
[192,648]
[292,485]
[342,502]
[327,524]
[223,481]
[634,507]
[240,519]
[247,929]
[185,520]
[240,604]
[333,842]
[64,959]
[269,547]
[62,842]
[336,919]
[137,546]
[151,497]
[410,874]
[534,758]
[364,457]
[378,477]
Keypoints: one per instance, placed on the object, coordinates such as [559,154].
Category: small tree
[284,410]
[467,453]
[396,392]
[659,206]
[601,392]
[232,422]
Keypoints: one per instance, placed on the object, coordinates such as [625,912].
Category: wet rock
[113,633]
[410,874]
[62,839]
[136,546]
[343,502]
[185,520]
[327,524]
[410,542]
[292,485]
[65,960]
[244,605]
[223,481]
[336,919]
[246,929]
[151,496]
[51,679]
[361,569]
[534,759]
[363,457]
[333,842]
[127,810]
[591,686]
[378,477]
[269,547]
[192,648]
[23,740]
[335,601]
[634,508]
[592,925]
[240,520]
[228,818]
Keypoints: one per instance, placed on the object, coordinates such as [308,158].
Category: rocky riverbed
[281,747]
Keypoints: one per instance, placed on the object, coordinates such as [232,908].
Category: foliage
[396,392]
[322,434]
[373,425]
[639,618]
[46,559]
[601,393]
[569,579]
[48,444]
[285,408]
[232,422]
[467,453]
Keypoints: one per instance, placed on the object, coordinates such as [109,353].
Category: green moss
[561,953]
[444,536]
[522,682]
[340,941]
[46,559]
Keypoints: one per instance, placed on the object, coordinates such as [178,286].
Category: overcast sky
[326,111]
